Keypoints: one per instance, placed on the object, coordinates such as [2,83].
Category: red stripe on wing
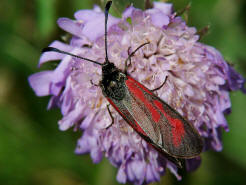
[138,93]
[132,80]
[178,130]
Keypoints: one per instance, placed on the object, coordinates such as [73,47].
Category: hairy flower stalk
[198,85]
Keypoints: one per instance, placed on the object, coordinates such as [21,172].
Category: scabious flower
[198,85]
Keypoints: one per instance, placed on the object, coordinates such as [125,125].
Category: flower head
[199,81]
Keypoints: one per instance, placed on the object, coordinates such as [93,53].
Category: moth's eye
[121,75]
[113,84]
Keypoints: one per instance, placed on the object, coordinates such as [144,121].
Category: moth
[152,118]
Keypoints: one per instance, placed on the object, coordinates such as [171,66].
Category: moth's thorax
[113,82]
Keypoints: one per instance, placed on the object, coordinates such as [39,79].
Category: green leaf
[234,141]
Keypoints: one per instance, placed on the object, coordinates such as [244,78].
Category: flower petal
[48,56]
[88,15]
[192,164]
[128,12]
[174,170]
[71,26]
[158,18]
[67,98]
[83,145]
[71,118]
[235,80]
[94,22]
[121,175]
[166,8]
[61,72]
[96,155]
[40,82]
[95,28]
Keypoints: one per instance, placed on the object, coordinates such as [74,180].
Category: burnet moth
[153,119]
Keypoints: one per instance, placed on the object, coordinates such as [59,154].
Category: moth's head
[112,82]
[108,68]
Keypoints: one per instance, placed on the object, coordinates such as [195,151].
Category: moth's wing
[164,126]
[136,116]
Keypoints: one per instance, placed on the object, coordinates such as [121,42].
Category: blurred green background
[34,151]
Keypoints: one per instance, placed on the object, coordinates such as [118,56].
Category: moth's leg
[156,89]
[112,118]
[97,85]
[126,63]
[131,54]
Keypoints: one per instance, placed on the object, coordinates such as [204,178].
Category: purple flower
[199,81]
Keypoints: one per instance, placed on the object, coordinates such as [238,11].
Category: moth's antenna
[107,7]
[48,49]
